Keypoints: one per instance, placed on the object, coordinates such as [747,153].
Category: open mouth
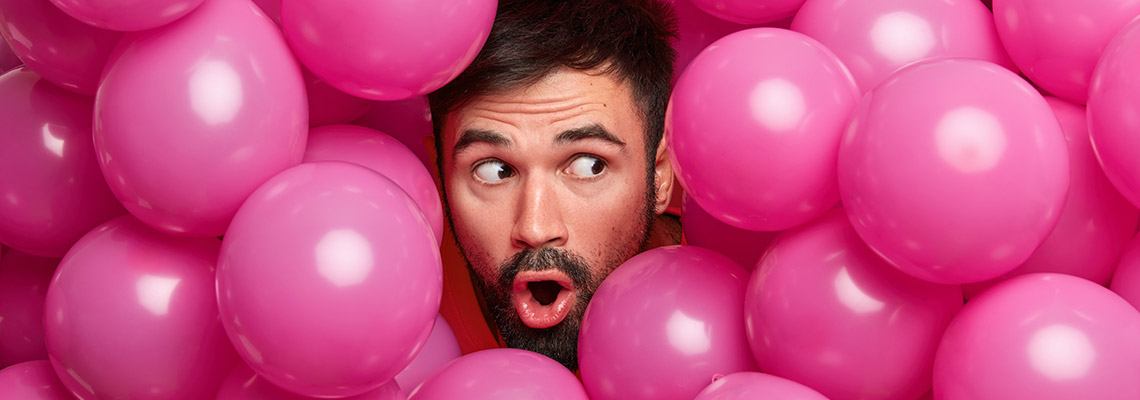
[543,298]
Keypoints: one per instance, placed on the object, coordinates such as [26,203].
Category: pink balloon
[131,313]
[193,116]
[502,374]
[32,380]
[272,9]
[387,50]
[64,51]
[23,287]
[384,154]
[750,11]
[755,385]
[51,183]
[8,59]
[1126,281]
[1113,108]
[742,246]
[441,347]
[1041,337]
[1096,222]
[696,30]
[663,324]
[329,105]
[874,38]
[244,384]
[873,330]
[366,262]
[409,121]
[127,15]
[954,170]
[1056,43]
[735,100]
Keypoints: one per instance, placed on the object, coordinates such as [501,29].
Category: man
[550,151]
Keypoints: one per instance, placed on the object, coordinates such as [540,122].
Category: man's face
[549,189]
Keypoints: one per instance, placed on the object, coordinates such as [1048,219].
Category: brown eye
[493,171]
[586,166]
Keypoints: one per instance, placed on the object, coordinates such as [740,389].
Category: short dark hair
[532,38]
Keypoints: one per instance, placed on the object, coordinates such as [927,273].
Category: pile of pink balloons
[884,200]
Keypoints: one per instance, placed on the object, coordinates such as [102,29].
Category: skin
[558,164]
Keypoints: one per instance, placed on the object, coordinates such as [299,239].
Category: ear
[663,177]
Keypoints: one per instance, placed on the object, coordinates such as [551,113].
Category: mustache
[573,265]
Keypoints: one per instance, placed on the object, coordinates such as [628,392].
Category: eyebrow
[470,137]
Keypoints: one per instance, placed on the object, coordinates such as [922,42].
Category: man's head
[551,154]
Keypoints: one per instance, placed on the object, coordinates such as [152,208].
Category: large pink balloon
[750,11]
[774,122]
[32,380]
[876,37]
[193,116]
[441,347]
[408,120]
[23,287]
[53,190]
[244,384]
[64,51]
[387,50]
[663,324]
[384,154]
[755,385]
[954,170]
[502,374]
[1126,280]
[873,330]
[1096,222]
[127,15]
[131,313]
[322,255]
[1113,109]
[1056,43]
[703,230]
[1041,337]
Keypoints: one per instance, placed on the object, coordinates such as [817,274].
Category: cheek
[482,228]
[607,227]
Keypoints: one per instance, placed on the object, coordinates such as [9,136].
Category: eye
[586,166]
[493,171]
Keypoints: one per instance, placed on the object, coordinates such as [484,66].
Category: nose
[539,220]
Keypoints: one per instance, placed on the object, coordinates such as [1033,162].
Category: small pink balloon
[53,190]
[32,380]
[755,385]
[127,15]
[1041,337]
[23,288]
[193,116]
[131,313]
[874,38]
[244,384]
[64,51]
[1096,222]
[441,347]
[384,154]
[329,105]
[352,242]
[366,48]
[1113,109]
[954,170]
[1056,43]
[663,324]
[750,11]
[735,100]
[873,329]
[1126,280]
[703,230]
[409,121]
[501,374]
[696,30]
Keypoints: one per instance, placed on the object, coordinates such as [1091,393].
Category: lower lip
[538,316]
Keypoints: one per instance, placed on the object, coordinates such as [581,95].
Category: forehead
[564,99]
